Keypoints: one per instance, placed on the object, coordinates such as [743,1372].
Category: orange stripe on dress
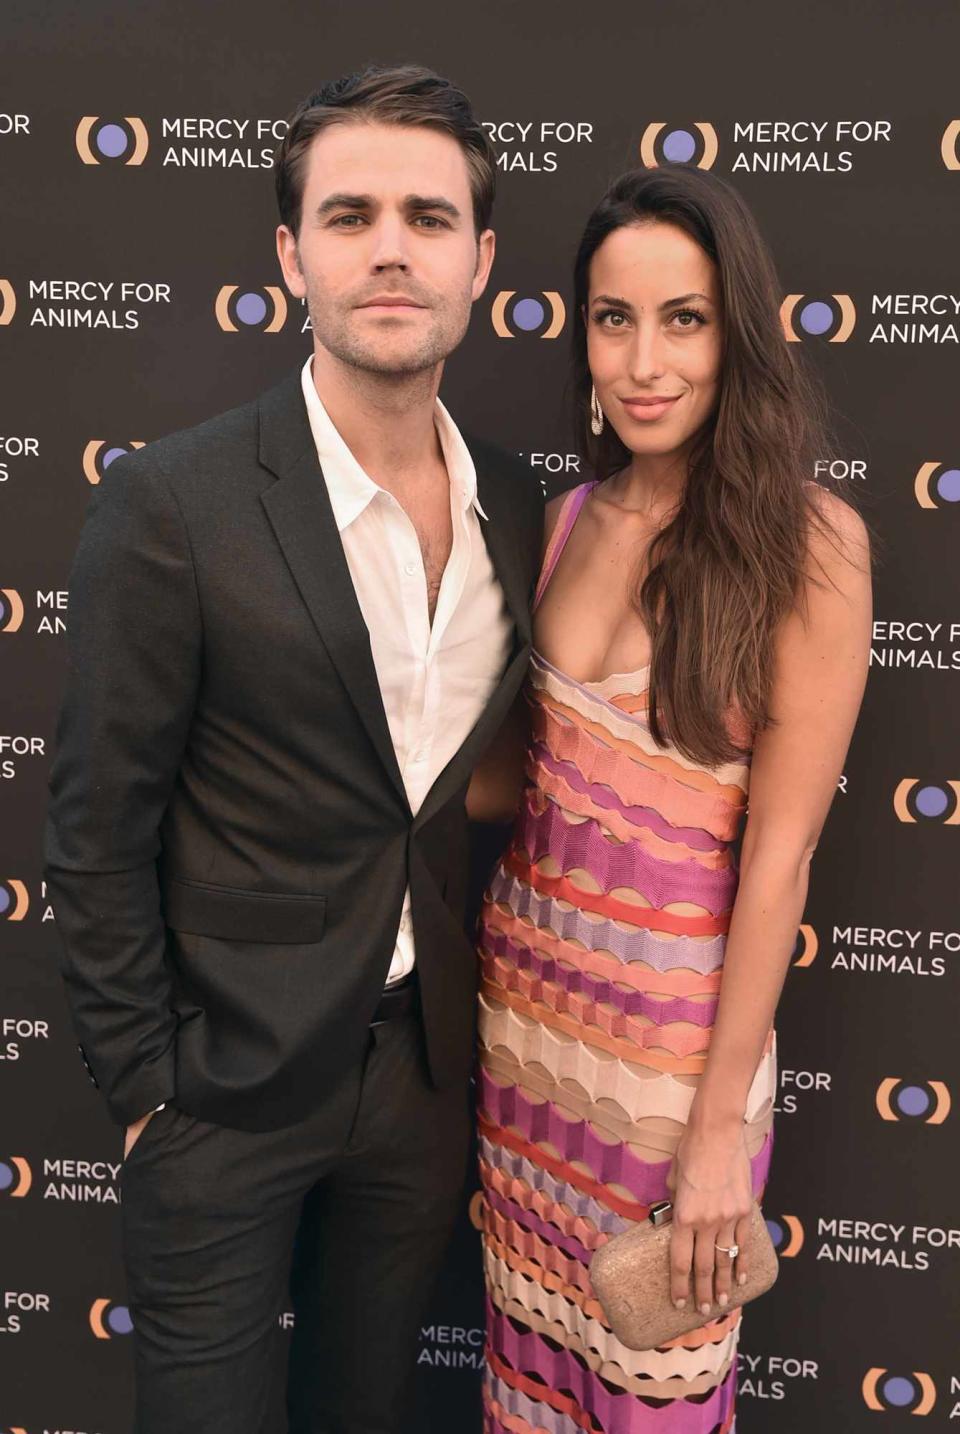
[536,1390]
[501,1234]
[581,805]
[679,982]
[513,983]
[692,777]
[636,785]
[563,1170]
[511,1187]
[630,701]
[533,1389]
[593,1035]
[653,917]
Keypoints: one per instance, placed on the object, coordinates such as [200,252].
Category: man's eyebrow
[344,201]
[412,203]
[667,303]
[432,201]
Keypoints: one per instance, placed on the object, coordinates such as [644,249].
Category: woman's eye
[611,318]
[689,318]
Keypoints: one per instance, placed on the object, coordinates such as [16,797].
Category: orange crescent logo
[9,306]
[22,904]
[26,1177]
[16,610]
[794,1245]
[811,946]
[948,145]
[96,1319]
[921,485]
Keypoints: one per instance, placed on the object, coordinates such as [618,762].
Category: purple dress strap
[569,512]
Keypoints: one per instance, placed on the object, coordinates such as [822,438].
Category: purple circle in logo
[913,1100]
[528,314]
[775,1230]
[4,610]
[251,309]
[931,801]
[816,317]
[679,146]
[111,454]
[6,1175]
[948,485]
[898,1391]
[111,140]
[4,900]
[119,1320]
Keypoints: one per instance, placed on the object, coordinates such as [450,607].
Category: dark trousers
[222,1227]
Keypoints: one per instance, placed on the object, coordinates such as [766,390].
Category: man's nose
[390,248]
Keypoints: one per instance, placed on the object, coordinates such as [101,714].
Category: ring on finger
[731,1250]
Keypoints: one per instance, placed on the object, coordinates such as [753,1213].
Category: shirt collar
[349,487]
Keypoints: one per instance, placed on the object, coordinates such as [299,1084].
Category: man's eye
[430,221]
[348,221]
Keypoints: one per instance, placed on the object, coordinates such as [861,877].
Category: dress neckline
[590,682]
[566,520]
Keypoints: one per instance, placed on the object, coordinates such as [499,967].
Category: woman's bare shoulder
[551,515]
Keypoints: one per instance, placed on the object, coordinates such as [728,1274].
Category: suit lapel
[300,513]
[298,507]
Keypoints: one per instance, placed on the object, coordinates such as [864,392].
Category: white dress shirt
[435,680]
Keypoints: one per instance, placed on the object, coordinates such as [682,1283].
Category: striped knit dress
[602,941]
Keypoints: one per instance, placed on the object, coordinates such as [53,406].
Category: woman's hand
[712,1198]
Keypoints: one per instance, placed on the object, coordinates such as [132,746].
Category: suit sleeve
[133,665]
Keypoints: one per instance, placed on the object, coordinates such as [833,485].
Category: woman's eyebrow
[667,303]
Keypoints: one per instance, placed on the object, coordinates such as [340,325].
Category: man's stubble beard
[332,329]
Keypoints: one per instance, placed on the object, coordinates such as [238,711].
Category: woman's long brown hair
[731,562]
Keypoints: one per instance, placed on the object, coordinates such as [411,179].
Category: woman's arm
[497,780]
[821,657]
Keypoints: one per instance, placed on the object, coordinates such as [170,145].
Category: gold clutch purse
[630,1276]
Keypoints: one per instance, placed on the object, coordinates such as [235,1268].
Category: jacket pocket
[232,914]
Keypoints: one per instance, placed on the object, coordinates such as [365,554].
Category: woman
[702,627]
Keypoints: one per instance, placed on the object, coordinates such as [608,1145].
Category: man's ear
[288,253]
[486,249]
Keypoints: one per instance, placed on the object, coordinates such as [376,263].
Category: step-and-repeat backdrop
[139,293]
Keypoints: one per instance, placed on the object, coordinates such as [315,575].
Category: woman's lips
[646,410]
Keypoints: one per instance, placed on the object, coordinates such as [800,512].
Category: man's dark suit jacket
[229,840]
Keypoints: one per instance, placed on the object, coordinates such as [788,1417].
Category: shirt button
[409,569]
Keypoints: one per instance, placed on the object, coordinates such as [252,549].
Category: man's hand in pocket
[133,1132]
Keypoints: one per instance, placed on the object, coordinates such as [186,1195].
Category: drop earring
[596,413]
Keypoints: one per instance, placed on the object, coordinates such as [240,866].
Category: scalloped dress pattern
[601,960]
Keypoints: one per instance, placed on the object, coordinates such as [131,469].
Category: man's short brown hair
[401,95]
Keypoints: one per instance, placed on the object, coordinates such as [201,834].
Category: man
[294,630]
